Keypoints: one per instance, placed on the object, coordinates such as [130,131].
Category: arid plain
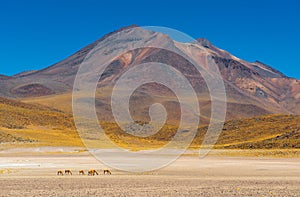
[34,174]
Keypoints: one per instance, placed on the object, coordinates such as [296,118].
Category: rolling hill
[31,125]
[35,125]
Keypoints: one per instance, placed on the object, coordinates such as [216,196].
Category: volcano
[252,88]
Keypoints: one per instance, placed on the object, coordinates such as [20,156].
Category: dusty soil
[189,176]
[147,185]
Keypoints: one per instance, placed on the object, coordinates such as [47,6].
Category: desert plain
[34,173]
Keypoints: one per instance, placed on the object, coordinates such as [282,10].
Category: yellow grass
[47,137]
[62,101]
[5,171]
[24,125]
[268,133]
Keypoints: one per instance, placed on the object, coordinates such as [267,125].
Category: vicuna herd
[81,172]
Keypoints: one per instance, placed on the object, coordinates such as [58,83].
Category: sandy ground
[35,175]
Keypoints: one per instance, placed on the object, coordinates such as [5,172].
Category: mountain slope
[252,88]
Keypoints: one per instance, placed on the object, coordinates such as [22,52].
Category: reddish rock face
[252,88]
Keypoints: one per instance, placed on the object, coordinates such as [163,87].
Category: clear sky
[36,34]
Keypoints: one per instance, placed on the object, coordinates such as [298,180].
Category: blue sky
[36,34]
